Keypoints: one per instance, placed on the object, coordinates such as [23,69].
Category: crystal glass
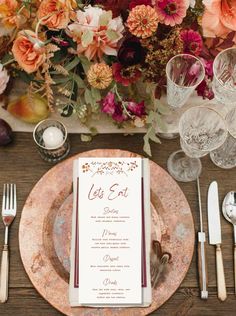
[59,151]
[184,73]
[201,130]
[224,82]
[225,156]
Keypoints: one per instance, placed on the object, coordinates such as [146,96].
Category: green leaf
[151,117]
[105,18]
[163,109]
[71,65]
[112,35]
[161,124]
[153,137]
[87,38]
[93,131]
[85,63]
[86,138]
[88,97]
[80,83]
[96,94]
[27,78]
[146,146]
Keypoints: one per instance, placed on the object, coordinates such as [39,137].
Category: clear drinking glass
[225,156]
[184,73]
[201,130]
[61,148]
[224,81]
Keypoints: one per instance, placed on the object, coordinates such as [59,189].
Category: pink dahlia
[192,42]
[124,76]
[108,103]
[171,12]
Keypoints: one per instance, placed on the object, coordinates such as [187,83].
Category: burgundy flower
[116,6]
[137,109]
[208,64]
[205,91]
[119,115]
[124,76]
[134,3]
[192,42]
[131,52]
[108,103]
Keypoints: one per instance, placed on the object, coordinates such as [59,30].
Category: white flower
[4,78]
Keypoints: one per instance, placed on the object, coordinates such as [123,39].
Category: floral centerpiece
[109,56]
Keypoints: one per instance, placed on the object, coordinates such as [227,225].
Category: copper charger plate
[44,235]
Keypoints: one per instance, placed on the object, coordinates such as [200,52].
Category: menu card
[111,214]
[110,230]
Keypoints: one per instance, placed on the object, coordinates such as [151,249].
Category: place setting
[105,230]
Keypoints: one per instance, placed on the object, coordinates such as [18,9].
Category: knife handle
[222,295]
[202,265]
[235,268]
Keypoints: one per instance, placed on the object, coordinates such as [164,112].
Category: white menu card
[110,230]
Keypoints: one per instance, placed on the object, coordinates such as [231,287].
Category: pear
[29,108]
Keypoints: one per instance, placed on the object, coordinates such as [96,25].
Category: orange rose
[9,16]
[26,51]
[219,18]
[55,14]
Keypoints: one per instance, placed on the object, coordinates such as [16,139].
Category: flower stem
[8,62]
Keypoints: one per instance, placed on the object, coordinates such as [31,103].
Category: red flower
[119,115]
[192,42]
[137,109]
[124,75]
[116,6]
[134,3]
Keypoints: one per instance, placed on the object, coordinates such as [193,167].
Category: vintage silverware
[214,228]
[202,262]
[8,215]
[229,212]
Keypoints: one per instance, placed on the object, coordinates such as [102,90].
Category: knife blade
[214,228]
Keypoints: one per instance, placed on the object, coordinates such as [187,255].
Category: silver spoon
[229,212]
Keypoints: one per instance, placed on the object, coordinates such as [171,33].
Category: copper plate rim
[64,307]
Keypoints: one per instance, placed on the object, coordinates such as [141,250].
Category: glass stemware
[201,130]
[184,73]
[224,81]
[225,156]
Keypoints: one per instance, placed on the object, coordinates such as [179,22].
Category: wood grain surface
[20,163]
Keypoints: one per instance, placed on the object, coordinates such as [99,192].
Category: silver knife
[214,228]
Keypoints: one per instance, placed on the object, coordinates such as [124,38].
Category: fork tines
[9,197]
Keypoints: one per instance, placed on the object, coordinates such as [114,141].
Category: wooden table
[20,163]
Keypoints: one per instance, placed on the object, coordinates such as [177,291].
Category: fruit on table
[30,109]
[6,135]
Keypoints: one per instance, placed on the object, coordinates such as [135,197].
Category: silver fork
[8,215]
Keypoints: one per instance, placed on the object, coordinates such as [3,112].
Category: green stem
[8,62]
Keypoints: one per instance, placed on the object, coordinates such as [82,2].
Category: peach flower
[94,39]
[10,18]
[56,14]
[219,18]
[26,52]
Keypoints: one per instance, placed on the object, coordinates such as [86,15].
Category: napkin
[146,243]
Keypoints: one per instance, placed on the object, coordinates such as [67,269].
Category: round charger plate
[40,254]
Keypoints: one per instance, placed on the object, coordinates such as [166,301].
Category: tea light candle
[52,137]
